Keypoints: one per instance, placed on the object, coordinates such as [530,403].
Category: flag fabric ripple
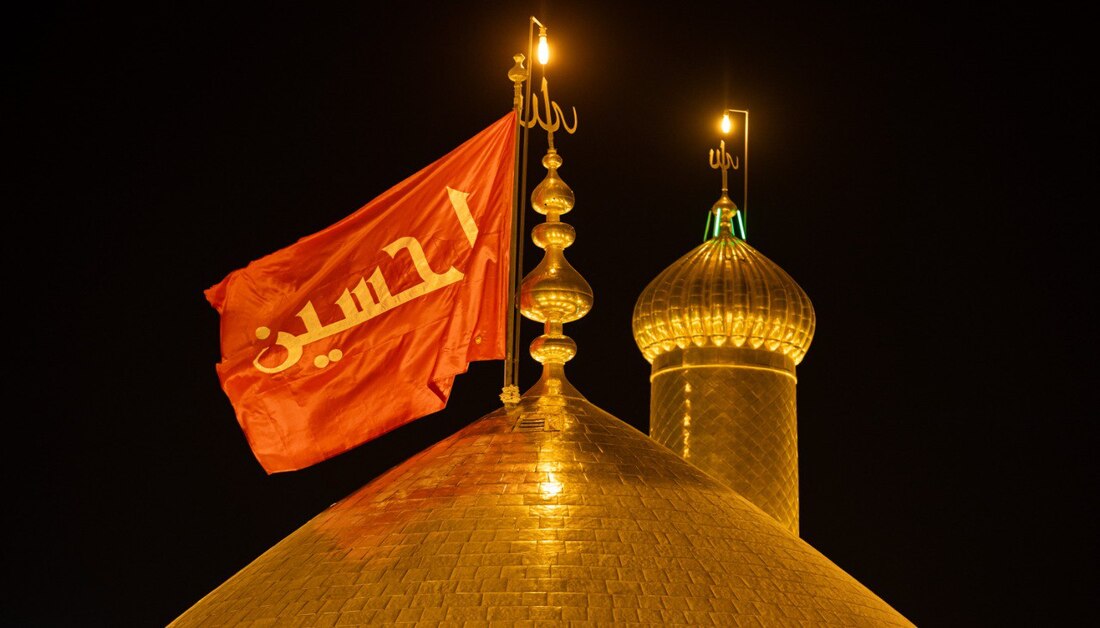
[362,327]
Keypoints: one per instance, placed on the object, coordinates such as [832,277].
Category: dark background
[920,171]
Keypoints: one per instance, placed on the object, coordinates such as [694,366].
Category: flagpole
[510,392]
[520,240]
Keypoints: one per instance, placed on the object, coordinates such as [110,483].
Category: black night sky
[919,170]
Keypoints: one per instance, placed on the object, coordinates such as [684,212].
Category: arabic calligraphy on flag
[360,328]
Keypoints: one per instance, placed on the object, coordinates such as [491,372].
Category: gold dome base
[553,511]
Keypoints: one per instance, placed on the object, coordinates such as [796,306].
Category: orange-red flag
[361,327]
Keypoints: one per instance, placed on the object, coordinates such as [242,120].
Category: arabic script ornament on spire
[724,209]
[552,118]
[725,215]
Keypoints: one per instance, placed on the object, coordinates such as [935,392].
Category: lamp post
[727,126]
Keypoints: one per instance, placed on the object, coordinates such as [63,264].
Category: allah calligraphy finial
[724,214]
[552,118]
[722,160]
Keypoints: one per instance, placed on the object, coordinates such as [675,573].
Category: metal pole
[744,209]
[745,180]
[523,199]
[510,393]
[517,74]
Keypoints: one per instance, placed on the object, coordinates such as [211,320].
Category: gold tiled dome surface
[552,512]
[724,293]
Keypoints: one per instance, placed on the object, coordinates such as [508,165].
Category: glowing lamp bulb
[544,50]
[726,125]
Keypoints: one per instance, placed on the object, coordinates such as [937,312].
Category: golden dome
[724,293]
[553,510]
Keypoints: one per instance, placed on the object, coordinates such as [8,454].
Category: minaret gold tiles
[723,328]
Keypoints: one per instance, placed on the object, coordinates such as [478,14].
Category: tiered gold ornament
[724,327]
[545,512]
[553,293]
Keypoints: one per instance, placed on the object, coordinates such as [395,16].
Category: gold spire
[724,208]
[724,214]
[553,293]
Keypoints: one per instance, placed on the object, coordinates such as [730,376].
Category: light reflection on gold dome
[529,515]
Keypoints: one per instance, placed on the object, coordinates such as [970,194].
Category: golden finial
[552,119]
[724,208]
[725,211]
[722,160]
[518,74]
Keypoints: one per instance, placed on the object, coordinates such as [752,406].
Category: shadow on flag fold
[362,327]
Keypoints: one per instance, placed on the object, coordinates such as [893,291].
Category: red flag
[361,327]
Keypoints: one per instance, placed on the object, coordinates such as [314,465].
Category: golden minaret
[547,511]
[723,328]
